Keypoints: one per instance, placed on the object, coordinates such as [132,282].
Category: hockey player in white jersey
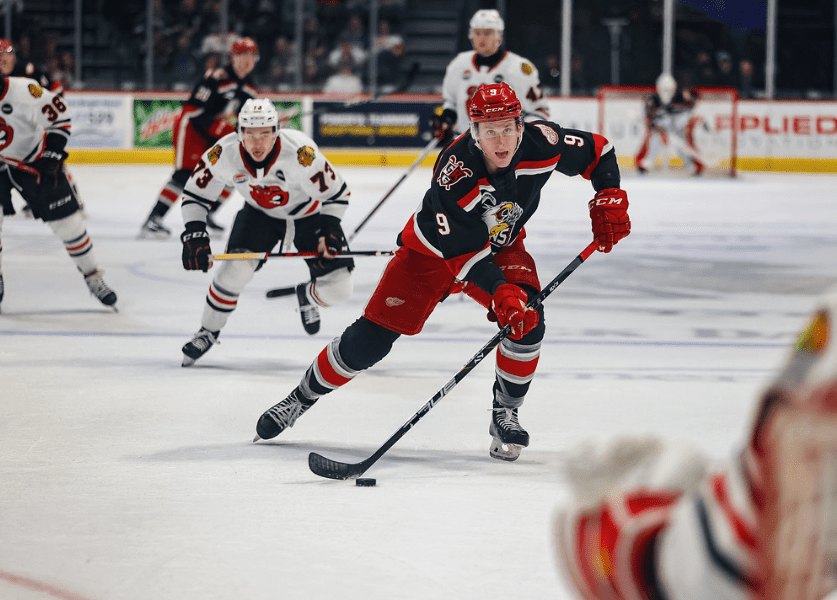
[654,519]
[291,193]
[487,63]
[35,125]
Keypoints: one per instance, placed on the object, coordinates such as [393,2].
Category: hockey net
[708,134]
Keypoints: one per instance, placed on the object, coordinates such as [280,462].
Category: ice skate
[277,419]
[100,289]
[153,229]
[309,313]
[509,438]
[198,346]
[1,287]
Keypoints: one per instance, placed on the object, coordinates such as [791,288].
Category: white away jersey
[297,181]
[28,113]
[463,77]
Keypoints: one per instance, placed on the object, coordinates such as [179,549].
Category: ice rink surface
[126,477]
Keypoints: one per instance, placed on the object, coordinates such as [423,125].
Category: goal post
[708,133]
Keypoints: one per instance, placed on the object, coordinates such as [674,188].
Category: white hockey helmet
[487,18]
[258,112]
[666,86]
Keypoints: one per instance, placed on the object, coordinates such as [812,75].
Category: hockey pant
[253,231]
[411,287]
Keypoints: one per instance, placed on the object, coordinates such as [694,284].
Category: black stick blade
[278,292]
[332,469]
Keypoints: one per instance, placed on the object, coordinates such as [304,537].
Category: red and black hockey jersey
[467,214]
[212,108]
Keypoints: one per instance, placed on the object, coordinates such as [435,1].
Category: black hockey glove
[196,251]
[332,234]
[442,128]
[49,165]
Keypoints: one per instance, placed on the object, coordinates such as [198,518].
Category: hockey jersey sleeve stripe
[312,209]
[743,532]
[602,148]
[460,265]
[472,198]
[338,195]
[536,167]
[722,561]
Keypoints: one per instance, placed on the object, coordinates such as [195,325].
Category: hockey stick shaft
[332,469]
[264,255]
[21,166]
[427,150]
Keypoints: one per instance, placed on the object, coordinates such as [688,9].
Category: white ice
[126,477]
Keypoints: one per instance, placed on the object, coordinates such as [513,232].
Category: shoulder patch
[548,132]
[214,154]
[453,172]
[36,90]
[305,156]
[527,68]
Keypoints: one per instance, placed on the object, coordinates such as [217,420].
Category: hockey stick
[287,291]
[332,469]
[264,255]
[22,166]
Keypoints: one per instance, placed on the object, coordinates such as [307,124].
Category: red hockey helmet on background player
[245,45]
[6,46]
[493,102]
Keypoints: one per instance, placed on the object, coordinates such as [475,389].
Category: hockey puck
[368,482]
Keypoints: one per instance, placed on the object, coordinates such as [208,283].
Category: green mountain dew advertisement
[154,120]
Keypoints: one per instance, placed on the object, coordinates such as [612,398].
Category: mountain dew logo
[154,122]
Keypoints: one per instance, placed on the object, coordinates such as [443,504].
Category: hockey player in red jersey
[467,235]
[654,519]
[34,130]
[208,115]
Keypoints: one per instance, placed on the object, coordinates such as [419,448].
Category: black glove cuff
[486,275]
[448,116]
[193,226]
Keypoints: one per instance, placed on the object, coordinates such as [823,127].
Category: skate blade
[188,361]
[502,451]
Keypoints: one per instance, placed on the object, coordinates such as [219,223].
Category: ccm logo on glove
[609,214]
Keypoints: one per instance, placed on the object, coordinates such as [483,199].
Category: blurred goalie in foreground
[653,520]
[670,124]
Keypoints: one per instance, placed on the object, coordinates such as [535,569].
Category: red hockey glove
[197,255]
[509,308]
[609,213]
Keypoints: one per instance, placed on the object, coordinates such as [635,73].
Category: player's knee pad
[234,275]
[364,343]
[68,228]
[333,288]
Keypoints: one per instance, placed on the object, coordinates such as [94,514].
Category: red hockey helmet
[6,46]
[493,102]
[245,45]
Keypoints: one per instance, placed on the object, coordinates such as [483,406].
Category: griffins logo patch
[549,133]
[305,156]
[500,220]
[526,68]
[36,90]
[214,154]
[453,172]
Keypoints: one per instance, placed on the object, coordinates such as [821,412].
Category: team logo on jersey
[549,133]
[269,196]
[500,220]
[280,174]
[214,154]
[466,76]
[305,156]
[36,90]
[392,301]
[526,68]
[498,78]
[239,178]
[6,109]
[452,172]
